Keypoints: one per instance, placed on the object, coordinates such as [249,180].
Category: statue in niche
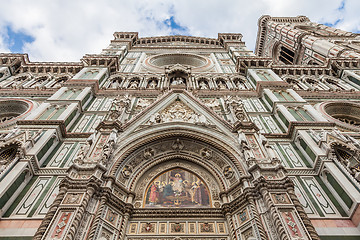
[108,148]
[113,136]
[240,85]
[269,149]
[203,85]
[244,146]
[152,84]
[222,85]
[177,81]
[115,84]
[133,84]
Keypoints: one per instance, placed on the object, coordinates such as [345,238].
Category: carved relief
[178,112]
[148,228]
[118,106]
[73,198]
[112,217]
[280,198]
[206,227]
[177,227]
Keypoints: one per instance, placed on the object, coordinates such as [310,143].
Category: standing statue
[133,85]
[203,85]
[108,148]
[269,149]
[152,84]
[244,146]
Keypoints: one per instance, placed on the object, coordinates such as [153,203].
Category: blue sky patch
[17,39]
[342,6]
[176,29]
[332,24]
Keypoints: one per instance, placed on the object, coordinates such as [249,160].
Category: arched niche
[144,155]
[177,188]
[208,153]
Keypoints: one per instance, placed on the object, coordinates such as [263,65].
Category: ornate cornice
[177,213]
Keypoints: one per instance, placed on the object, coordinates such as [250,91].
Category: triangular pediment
[177,107]
[178,111]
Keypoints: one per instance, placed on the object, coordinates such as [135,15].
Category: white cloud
[66,30]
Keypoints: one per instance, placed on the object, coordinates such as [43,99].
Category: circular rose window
[345,114]
[12,110]
[196,62]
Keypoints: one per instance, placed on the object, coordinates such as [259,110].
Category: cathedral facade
[180,137]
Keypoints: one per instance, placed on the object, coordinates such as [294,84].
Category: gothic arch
[222,162]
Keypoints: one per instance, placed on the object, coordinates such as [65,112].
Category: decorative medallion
[206,153]
[206,227]
[177,227]
[228,172]
[280,198]
[148,228]
[73,198]
[149,153]
[126,172]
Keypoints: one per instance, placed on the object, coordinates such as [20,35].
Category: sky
[66,30]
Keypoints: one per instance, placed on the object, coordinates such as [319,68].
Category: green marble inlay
[303,158]
[307,149]
[283,118]
[339,190]
[47,113]
[305,114]
[45,149]
[295,115]
[21,195]
[51,155]
[267,98]
[331,197]
[42,196]
[313,201]
[58,113]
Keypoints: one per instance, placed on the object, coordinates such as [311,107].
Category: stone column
[304,217]
[124,223]
[50,214]
[95,223]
